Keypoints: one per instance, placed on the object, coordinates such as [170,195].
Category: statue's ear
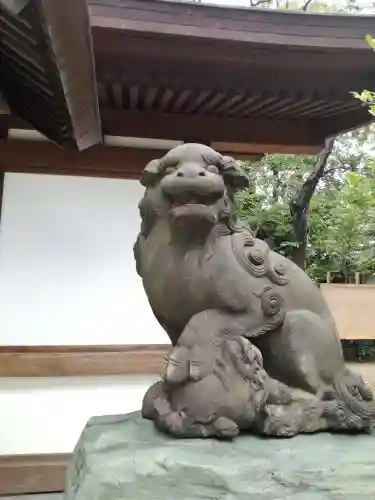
[151,173]
[234,176]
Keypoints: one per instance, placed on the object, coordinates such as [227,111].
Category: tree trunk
[275,185]
[299,205]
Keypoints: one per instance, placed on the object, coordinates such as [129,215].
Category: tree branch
[304,195]
[299,204]
[256,3]
[307,4]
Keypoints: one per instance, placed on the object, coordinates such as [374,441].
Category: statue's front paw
[152,395]
[162,407]
[225,428]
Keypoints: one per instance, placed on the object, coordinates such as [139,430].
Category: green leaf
[370,41]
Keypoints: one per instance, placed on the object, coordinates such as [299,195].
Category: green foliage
[342,211]
[342,227]
[341,236]
[350,6]
[265,206]
[367,96]
[370,41]
[359,350]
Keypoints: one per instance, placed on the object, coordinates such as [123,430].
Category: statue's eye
[212,169]
[169,170]
[174,361]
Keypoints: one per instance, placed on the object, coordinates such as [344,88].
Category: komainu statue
[254,344]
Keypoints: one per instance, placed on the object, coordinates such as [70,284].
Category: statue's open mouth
[185,206]
[186,199]
[193,198]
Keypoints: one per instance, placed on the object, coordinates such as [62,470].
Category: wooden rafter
[295,136]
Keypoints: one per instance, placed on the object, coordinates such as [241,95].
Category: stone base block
[126,458]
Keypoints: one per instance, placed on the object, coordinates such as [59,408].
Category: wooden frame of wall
[82,360]
[23,474]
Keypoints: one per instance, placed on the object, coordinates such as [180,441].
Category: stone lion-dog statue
[255,346]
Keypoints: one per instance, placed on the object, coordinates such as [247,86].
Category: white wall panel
[67,273]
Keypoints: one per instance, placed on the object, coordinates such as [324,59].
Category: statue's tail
[355,395]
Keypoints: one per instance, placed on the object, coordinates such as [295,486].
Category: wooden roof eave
[276,28]
[243,75]
[66,25]
[48,73]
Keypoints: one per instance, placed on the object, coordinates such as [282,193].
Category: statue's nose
[190,170]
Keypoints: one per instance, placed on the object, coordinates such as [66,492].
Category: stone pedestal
[125,457]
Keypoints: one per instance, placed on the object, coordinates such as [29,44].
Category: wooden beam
[98,161]
[23,474]
[67,32]
[296,136]
[41,157]
[95,360]
[347,122]
[114,43]
[249,26]
[48,74]
[255,152]
[82,361]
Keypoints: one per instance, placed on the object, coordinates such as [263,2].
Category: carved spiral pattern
[249,240]
[222,230]
[256,261]
[257,257]
[234,225]
[276,274]
[279,269]
[272,302]
[354,395]
[274,311]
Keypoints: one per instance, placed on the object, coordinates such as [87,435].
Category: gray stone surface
[125,457]
[38,496]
